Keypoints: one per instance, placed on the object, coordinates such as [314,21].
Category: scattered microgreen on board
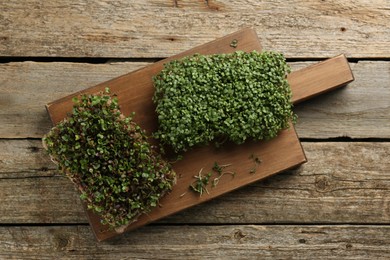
[257,161]
[201,182]
[234,43]
[219,169]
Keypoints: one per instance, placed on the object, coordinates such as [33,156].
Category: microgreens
[220,170]
[256,159]
[109,159]
[237,96]
[201,182]
[234,43]
[199,185]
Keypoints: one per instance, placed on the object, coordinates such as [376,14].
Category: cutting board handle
[319,78]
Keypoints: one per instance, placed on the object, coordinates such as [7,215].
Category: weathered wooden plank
[40,200]
[199,242]
[24,158]
[341,183]
[361,110]
[161,28]
[26,87]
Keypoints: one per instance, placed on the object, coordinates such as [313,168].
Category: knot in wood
[302,241]
[238,234]
[322,183]
[62,242]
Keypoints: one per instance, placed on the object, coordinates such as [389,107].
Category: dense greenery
[222,97]
[108,157]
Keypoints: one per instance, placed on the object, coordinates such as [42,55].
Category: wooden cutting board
[135,91]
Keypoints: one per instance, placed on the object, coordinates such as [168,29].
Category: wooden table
[335,206]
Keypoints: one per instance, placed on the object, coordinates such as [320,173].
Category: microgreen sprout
[234,43]
[178,157]
[257,161]
[201,182]
[220,170]
[216,180]
[199,185]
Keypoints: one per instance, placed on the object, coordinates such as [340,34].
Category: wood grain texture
[200,242]
[26,87]
[340,183]
[27,197]
[360,110]
[24,159]
[161,28]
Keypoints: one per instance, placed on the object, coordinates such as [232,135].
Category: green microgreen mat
[207,98]
[109,159]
